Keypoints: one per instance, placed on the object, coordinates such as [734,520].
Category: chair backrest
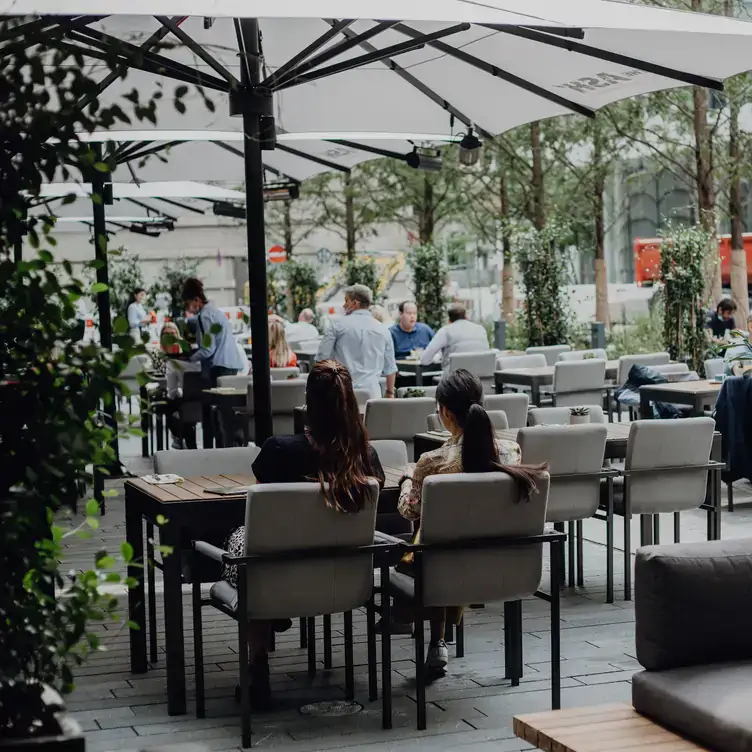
[671,368]
[235,382]
[550,352]
[584,354]
[559,416]
[645,359]
[281,374]
[498,419]
[286,396]
[362,396]
[482,364]
[188,462]
[509,362]
[193,397]
[434,422]
[568,450]
[514,405]
[295,516]
[714,367]
[398,418]
[392,452]
[307,345]
[135,365]
[430,391]
[470,346]
[490,507]
[579,382]
[655,444]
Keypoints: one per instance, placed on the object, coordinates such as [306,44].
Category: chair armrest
[602,473]
[384,538]
[708,466]
[241,411]
[211,552]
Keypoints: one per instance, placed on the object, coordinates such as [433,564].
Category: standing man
[459,335]
[408,333]
[362,344]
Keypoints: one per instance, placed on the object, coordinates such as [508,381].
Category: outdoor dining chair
[234,382]
[579,382]
[187,463]
[285,397]
[281,374]
[392,452]
[645,359]
[598,353]
[665,472]
[557,416]
[514,405]
[488,549]
[574,455]
[480,364]
[714,367]
[550,352]
[318,562]
[398,418]
[510,362]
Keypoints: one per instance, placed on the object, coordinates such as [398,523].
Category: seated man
[303,328]
[456,336]
[722,319]
[738,356]
[409,334]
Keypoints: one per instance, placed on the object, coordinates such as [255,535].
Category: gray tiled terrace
[472,707]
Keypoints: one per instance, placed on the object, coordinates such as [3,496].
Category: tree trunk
[507,273]
[739,284]
[705,185]
[602,312]
[349,219]
[539,215]
[426,214]
[287,227]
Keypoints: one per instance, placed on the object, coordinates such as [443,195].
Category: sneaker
[438,657]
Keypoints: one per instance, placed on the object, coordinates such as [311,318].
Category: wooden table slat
[161,492]
[220,480]
[195,488]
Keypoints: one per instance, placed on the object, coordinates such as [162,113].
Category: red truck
[647,255]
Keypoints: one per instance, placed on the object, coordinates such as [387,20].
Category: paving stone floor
[471,708]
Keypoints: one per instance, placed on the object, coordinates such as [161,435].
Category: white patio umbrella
[429,65]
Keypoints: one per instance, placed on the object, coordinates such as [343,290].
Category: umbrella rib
[121,152]
[180,205]
[497,72]
[151,209]
[312,158]
[611,57]
[425,90]
[374,57]
[368,149]
[110,78]
[305,53]
[136,154]
[196,48]
[239,153]
[352,40]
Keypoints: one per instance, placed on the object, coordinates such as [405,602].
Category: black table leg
[535,392]
[207,428]
[169,535]
[418,376]
[143,407]
[646,412]
[136,607]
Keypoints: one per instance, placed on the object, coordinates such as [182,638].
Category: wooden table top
[686,387]
[194,488]
[548,371]
[600,727]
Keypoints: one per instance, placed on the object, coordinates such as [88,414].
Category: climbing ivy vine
[429,272]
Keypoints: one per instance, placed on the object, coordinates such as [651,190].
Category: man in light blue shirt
[362,344]
[220,356]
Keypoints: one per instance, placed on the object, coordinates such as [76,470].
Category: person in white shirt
[138,318]
[303,329]
[361,344]
[454,336]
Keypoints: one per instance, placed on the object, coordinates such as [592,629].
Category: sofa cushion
[710,704]
[693,603]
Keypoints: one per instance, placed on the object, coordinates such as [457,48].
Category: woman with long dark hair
[472,448]
[334,452]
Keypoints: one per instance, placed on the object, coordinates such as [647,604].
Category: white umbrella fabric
[429,65]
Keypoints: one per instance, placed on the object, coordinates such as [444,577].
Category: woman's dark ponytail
[479,451]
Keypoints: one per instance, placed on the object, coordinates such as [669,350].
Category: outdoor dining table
[535,378]
[412,366]
[187,511]
[696,394]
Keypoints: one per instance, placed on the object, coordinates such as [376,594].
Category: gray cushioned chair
[392,452]
[645,359]
[445,577]
[398,418]
[286,396]
[362,396]
[714,367]
[281,374]
[306,586]
[550,352]
[434,422]
[508,362]
[480,364]
[559,416]
[665,472]
[575,460]
[234,382]
[693,638]
[579,382]
[597,353]
[498,419]
[514,405]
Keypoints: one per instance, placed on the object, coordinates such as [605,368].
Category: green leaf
[126,551]
[132,625]
[120,325]
[161,520]
[105,562]
[215,328]
[98,287]
[206,340]
[101,167]
[92,508]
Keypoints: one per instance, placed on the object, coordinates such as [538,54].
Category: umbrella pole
[254,202]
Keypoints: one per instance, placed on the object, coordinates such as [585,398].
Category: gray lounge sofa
[694,638]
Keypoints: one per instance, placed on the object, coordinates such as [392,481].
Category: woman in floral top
[472,448]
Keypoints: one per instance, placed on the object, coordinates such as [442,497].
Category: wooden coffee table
[601,727]
[696,394]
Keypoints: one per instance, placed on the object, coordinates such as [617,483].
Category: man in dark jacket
[722,319]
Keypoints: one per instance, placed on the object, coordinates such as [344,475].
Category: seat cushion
[401,586]
[710,703]
[224,594]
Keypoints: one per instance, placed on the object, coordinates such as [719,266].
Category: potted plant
[579,415]
[414,392]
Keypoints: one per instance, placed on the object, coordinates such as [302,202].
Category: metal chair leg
[151,595]
[198,645]
[580,554]
[386,652]
[328,641]
[420,670]
[303,633]
[571,553]
[449,633]
[677,527]
[656,529]
[460,648]
[373,690]
[349,659]
[730,493]
[311,629]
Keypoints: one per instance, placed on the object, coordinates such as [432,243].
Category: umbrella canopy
[433,66]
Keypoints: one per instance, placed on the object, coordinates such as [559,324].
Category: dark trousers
[179,429]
